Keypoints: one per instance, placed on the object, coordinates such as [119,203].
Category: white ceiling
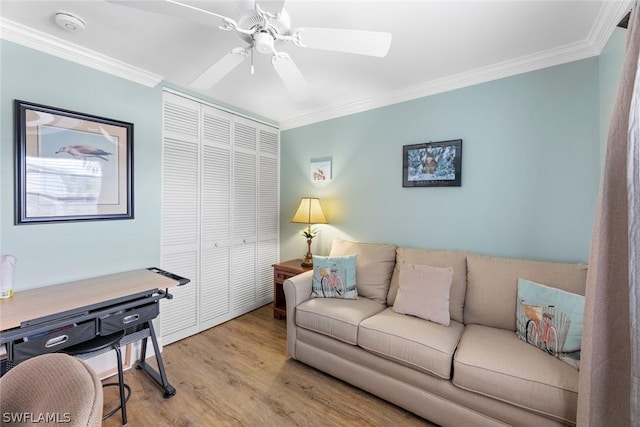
[436,46]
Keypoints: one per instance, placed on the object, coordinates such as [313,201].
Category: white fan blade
[221,68]
[176,9]
[370,43]
[291,75]
[271,6]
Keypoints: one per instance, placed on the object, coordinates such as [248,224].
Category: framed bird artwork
[71,166]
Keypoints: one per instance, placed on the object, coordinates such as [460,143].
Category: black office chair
[101,342]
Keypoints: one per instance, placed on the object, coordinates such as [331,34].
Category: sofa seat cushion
[496,363]
[337,318]
[411,341]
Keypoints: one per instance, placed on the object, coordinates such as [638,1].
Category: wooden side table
[281,272]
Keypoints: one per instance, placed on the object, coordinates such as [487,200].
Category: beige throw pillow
[424,292]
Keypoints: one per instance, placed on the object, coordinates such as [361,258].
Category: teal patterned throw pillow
[550,319]
[334,277]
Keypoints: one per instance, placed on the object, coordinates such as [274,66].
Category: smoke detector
[69,20]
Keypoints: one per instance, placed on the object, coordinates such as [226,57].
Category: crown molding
[34,39]
[568,53]
[610,14]
[608,17]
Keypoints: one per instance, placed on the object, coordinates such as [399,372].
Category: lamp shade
[309,212]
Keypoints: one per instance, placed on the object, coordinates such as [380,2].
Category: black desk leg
[161,379]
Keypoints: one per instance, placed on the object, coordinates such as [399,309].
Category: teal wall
[530,169]
[610,64]
[53,253]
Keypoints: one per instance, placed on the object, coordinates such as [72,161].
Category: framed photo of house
[432,164]
[71,166]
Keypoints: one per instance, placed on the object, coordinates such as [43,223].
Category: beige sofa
[476,371]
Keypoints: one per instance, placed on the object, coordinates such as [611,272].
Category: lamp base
[308,258]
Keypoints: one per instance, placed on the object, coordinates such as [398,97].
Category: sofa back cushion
[453,259]
[374,265]
[492,286]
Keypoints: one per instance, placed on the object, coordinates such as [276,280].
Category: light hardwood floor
[238,374]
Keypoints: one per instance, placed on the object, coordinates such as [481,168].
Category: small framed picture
[321,169]
[432,164]
[71,166]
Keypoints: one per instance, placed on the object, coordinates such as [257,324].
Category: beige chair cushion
[424,292]
[455,260]
[56,384]
[492,286]
[337,318]
[374,265]
[413,342]
[496,363]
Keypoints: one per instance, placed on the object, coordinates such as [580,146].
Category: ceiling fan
[263,25]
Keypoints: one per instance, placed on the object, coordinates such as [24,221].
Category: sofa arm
[297,289]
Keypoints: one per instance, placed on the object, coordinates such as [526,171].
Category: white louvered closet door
[244,244]
[220,214]
[216,217]
[268,185]
[180,214]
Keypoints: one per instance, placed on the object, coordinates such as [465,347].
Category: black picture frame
[432,164]
[71,166]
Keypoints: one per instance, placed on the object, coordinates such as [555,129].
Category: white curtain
[609,369]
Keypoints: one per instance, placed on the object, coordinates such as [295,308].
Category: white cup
[7,265]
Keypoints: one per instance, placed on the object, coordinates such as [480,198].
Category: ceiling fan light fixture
[263,42]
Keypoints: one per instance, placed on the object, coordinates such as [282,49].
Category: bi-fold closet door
[220,214]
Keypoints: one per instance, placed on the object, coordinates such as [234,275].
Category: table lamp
[309,212]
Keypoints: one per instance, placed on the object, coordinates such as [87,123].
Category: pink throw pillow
[424,292]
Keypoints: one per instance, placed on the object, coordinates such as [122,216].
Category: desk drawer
[53,341]
[132,317]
